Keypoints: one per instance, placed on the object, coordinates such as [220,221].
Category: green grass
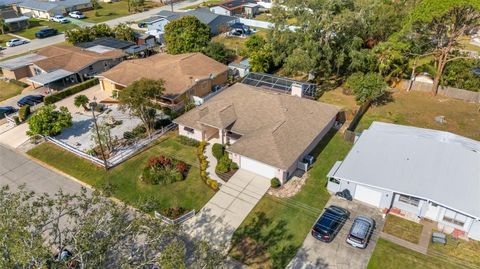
[462,251]
[35,25]
[9,90]
[110,11]
[403,228]
[392,256]
[272,233]
[234,43]
[206,3]
[192,193]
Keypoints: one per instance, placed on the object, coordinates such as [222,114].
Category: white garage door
[257,167]
[368,195]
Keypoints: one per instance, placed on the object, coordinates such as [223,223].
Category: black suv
[330,223]
[30,100]
[46,32]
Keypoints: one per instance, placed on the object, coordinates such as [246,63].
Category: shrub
[188,141]
[70,91]
[23,113]
[212,183]
[181,167]
[128,135]
[18,83]
[233,166]
[174,212]
[275,183]
[161,123]
[139,130]
[223,165]
[218,151]
[17,120]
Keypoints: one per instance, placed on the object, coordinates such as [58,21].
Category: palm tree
[3,25]
[81,100]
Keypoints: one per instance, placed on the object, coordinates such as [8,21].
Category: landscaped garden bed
[225,166]
[123,181]
[402,228]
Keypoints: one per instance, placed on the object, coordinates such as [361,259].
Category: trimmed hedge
[70,91]
[218,151]
[23,113]
[187,141]
[275,183]
[18,83]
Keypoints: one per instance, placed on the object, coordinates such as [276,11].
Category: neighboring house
[185,76]
[217,23]
[266,132]
[13,20]
[232,7]
[57,65]
[240,69]
[417,173]
[44,9]
[109,42]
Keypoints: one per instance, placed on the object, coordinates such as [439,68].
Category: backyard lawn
[36,25]
[236,44]
[275,229]
[192,193]
[465,252]
[8,90]
[113,10]
[403,228]
[392,256]
[416,109]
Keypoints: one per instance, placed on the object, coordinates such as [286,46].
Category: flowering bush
[163,170]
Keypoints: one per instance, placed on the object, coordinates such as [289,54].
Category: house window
[334,180]
[409,200]
[454,218]
[188,129]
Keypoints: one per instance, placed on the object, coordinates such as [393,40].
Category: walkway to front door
[220,217]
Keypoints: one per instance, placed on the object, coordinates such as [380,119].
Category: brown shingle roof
[276,128]
[71,58]
[178,71]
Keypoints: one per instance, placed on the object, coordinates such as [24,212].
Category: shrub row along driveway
[227,209]
[338,254]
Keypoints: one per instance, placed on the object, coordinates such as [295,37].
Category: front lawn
[275,229]
[206,3]
[4,38]
[416,109]
[465,252]
[392,256]
[402,228]
[35,25]
[113,10]
[9,90]
[123,180]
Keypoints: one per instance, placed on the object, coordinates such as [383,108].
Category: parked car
[76,15]
[46,32]
[361,231]
[330,223]
[30,100]
[60,19]
[16,42]
[6,110]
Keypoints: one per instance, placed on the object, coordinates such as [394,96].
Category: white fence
[262,24]
[122,156]
[178,220]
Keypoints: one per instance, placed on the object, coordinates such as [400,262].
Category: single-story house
[185,76]
[417,173]
[13,20]
[266,132]
[233,7]
[44,9]
[217,23]
[61,64]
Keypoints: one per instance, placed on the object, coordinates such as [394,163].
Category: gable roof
[107,42]
[438,166]
[71,58]
[178,71]
[44,5]
[276,128]
[204,15]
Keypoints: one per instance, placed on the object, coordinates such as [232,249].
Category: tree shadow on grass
[257,243]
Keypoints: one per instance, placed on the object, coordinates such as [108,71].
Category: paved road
[40,43]
[16,169]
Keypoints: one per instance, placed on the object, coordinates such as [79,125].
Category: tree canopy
[47,120]
[139,99]
[366,87]
[90,231]
[219,52]
[86,34]
[186,34]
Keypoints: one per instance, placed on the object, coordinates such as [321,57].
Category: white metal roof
[45,78]
[435,165]
[21,61]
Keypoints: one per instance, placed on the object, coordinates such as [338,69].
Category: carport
[49,79]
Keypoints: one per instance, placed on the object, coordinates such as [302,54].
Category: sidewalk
[212,162]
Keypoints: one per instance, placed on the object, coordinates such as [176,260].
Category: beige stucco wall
[197,134]
[35,13]
[109,86]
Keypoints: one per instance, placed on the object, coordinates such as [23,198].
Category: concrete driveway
[220,217]
[338,254]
